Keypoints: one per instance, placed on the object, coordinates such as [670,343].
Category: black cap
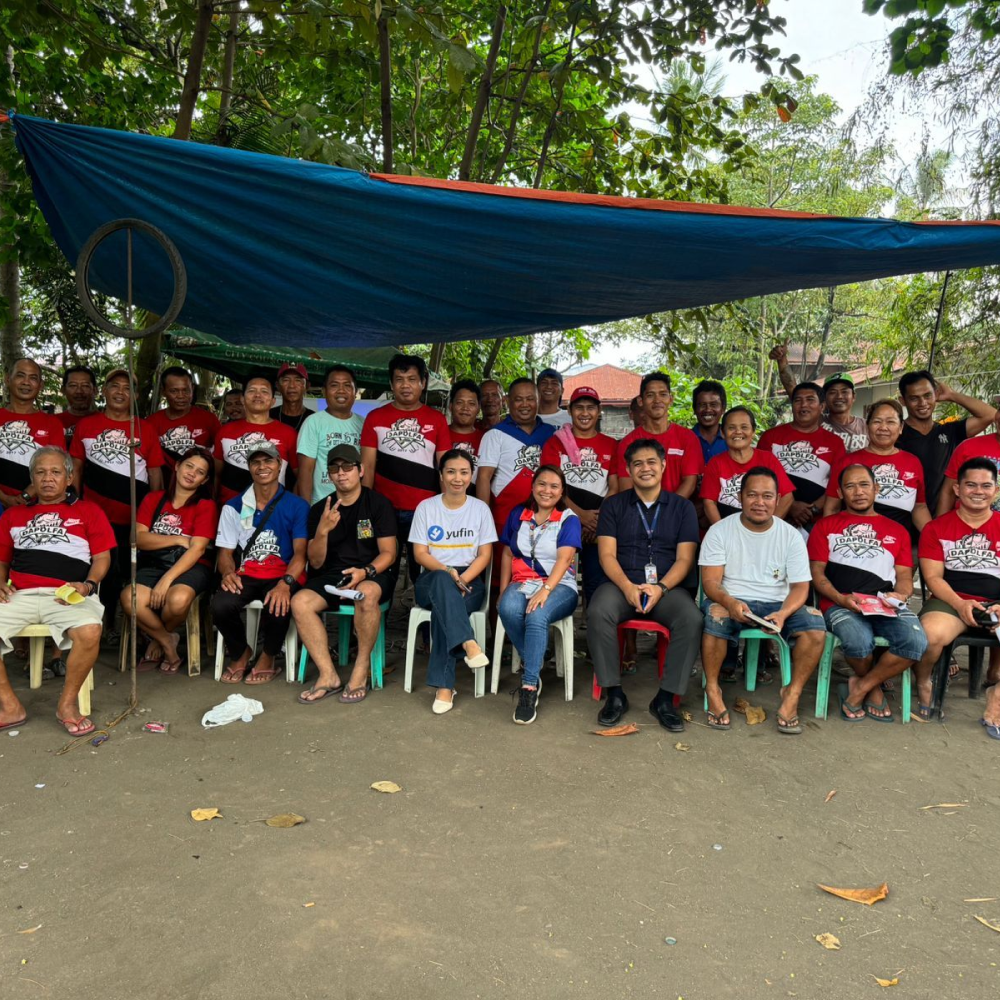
[343,453]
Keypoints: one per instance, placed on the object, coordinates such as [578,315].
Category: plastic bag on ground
[234,708]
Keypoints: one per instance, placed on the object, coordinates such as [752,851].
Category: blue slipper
[993,732]
[843,692]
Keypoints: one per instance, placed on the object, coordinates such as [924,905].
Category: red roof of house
[613,384]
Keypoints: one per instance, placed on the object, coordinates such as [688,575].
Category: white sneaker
[441,706]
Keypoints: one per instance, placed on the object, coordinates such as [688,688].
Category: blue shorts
[857,633]
[806,619]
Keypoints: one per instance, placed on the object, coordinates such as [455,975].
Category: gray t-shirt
[854,434]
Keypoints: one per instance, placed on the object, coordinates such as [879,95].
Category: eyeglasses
[343,467]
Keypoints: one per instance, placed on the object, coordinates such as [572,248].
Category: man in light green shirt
[324,430]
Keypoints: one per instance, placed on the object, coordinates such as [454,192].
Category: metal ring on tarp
[176,265]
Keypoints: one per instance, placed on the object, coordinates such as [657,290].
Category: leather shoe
[615,706]
[666,715]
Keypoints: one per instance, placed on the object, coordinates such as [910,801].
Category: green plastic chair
[343,613]
[751,654]
[825,673]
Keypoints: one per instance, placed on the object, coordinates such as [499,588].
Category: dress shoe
[615,706]
[667,716]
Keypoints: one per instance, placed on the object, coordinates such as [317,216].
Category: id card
[651,575]
[530,587]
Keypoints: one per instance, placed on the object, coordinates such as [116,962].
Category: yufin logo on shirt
[16,439]
[406,435]
[43,529]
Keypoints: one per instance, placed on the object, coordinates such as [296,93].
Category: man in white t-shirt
[757,564]
[324,430]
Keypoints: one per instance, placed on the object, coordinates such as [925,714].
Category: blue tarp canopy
[283,252]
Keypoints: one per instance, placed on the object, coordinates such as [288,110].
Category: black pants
[226,608]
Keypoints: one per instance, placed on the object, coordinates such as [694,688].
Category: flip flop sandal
[627,668]
[788,727]
[234,676]
[14,725]
[992,731]
[353,696]
[715,721]
[868,705]
[265,677]
[764,677]
[76,724]
[844,692]
[171,666]
[315,689]
[728,677]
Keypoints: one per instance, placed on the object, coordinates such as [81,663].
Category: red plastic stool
[641,625]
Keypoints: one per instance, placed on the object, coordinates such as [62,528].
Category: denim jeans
[857,633]
[806,619]
[530,633]
[435,590]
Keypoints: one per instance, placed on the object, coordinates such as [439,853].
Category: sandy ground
[529,862]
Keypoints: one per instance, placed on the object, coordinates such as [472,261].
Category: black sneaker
[527,703]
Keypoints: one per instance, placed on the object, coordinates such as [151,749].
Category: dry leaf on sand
[755,715]
[866,896]
[627,729]
[682,746]
[829,941]
[830,795]
[686,715]
[285,820]
[30,930]
[386,786]
[982,920]
[202,814]
[740,705]
[886,982]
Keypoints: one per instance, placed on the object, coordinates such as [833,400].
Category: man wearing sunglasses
[352,545]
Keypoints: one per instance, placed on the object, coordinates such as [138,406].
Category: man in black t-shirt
[352,545]
[930,440]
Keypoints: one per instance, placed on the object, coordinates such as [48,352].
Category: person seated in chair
[756,563]
[53,539]
[858,552]
[960,564]
[352,546]
[262,556]
[646,540]
[452,537]
[174,530]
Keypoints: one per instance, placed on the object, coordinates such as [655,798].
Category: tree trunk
[491,358]
[11,346]
[831,294]
[482,98]
[228,69]
[192,77]
[385,86]
[437,356]
[551,127]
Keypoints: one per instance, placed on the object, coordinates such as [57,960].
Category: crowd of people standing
[510,504]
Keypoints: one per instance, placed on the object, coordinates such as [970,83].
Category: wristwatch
[663,586]
[25,496]
[287,578]
[545,586]
[370,572]
[92,586]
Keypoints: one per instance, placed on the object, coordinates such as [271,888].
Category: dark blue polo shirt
[717,447]
[677,523]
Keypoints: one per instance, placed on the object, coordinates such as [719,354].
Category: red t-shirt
[467,442]
[103,444]
[69,422]
[724,476]
[237,439]
[587,480]
[199,519]
[406,442]
[971,556]
[807,458]
[684,455]
[984,446]
[861,553]
[197,427]
[47,545]
[900,480]
[21,434]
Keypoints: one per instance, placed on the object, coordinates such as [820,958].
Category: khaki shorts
[39,607]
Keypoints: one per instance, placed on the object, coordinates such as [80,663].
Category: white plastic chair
[253,610]
[37,636]
[563,629]
[477,619]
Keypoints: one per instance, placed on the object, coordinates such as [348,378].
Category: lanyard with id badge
[535,531]
[650,568]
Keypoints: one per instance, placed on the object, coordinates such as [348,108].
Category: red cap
[584,392]
[299,369]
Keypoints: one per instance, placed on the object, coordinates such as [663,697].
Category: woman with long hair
[174,529]
[537,579]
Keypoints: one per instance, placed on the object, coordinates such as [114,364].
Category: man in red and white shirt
[807,452]
[401,445]
[100,451]
[685,462]
[180,425]
[856,557]
[237,439]
[55,540]
[960,563]
[79,386]
[23,429]
[466,434]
